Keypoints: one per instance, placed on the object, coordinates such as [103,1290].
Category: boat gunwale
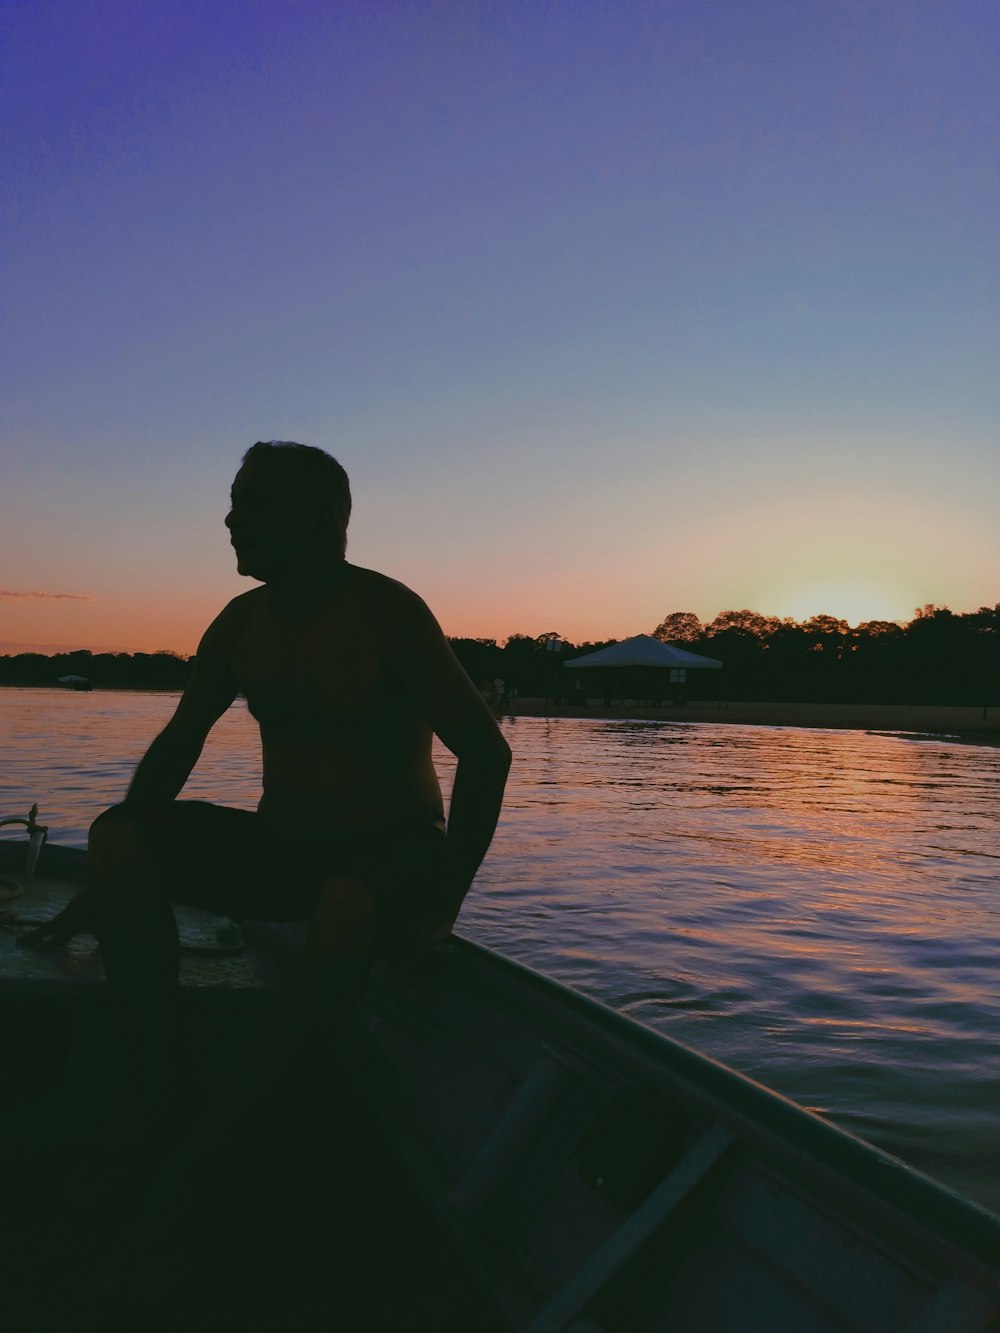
[862,1177]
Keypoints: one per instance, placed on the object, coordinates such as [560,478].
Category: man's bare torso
[345,751]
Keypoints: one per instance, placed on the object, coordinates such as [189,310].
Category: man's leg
[311,1029]
[317,999]
[374,906]
[135,927]
[119,1110]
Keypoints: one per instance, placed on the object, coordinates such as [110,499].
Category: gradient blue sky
[608,309]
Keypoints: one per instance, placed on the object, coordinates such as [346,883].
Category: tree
[749,623]
[480,658]
[826,634]
[822,624]
[878,629]
[679,627]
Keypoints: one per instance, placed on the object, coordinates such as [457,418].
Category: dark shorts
[241,864]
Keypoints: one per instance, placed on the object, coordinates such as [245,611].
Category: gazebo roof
[643,650]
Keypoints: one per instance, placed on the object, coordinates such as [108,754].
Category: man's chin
[250,569]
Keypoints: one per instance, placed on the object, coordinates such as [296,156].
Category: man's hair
[308,471]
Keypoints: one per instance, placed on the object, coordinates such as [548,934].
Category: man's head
[290,507]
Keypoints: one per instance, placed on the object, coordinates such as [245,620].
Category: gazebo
[642,651]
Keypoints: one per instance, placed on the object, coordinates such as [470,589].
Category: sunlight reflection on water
[819,909]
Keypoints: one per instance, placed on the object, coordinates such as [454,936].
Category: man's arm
[168,762]
[458,715]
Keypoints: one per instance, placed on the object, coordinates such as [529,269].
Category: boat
[75,682]
[582,1172]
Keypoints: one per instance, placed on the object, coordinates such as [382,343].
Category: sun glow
[854,599]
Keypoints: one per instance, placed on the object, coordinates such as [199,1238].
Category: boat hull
[590,1174]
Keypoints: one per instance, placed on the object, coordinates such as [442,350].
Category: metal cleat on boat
[37,833]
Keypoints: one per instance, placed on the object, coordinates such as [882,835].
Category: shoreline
[970,723]
[961,722]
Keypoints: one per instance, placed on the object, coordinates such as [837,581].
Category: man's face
[268,528]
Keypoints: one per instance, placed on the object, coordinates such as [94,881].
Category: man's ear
[322,516]
[328,523]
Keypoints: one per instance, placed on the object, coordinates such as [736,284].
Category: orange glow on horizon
[175,620]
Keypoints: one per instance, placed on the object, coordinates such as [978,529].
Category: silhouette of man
[349,677]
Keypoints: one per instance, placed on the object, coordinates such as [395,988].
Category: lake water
[819,909]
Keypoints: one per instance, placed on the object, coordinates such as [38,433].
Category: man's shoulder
[244,604]
[246,599]
[391,610]
[379,590]
[235,614]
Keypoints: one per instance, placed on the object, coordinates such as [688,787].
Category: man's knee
[344,919]
[118,839]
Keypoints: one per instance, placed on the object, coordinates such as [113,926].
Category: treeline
[150,671]
[939,657]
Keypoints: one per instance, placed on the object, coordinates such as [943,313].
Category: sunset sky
[609,309]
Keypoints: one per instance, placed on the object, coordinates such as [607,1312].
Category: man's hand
[439,930]
[411,940]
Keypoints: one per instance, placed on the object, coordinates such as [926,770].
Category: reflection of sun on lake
[820,909]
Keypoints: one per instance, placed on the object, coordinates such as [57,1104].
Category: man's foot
[76,916]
